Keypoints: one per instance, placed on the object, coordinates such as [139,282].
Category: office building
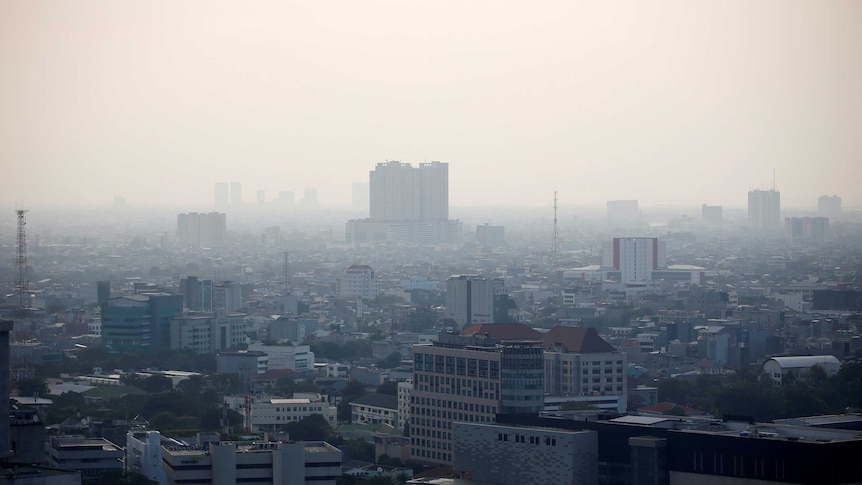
[206,333]
[197,294]
[309,199]
[809,229]
[235,194]
[635,257]
[519,455]
[471,377]
[829,206]
[764,209]
[623,210]
[91,456]
[491,236]
[139,321]
[222,199]
[711,213]
[201,229]
[407,205]
[673,450]
[581,366]
[232,462]
[246,363]
[375,408]
[358,280]
[472,299]
[270,413]
[298,358]
[226,297]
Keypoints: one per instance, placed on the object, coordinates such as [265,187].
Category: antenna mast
[554,243]
[22,285]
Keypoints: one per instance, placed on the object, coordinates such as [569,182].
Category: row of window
[534,440]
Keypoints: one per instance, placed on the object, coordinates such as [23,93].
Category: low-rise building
[91,456]
[267,413]
[229,463]
[375,408]
[785,369]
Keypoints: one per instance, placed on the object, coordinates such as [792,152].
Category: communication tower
[22,284]
[555,249]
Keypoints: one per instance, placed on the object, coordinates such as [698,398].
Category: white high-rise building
[472,299]
[358,280]
[764,209]
[401,192]
[634,257]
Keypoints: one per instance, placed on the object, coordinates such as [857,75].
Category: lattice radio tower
[555,248]
[22,284]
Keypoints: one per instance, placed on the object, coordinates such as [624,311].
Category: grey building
[518,455]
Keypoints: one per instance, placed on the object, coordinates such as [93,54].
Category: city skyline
[674,102]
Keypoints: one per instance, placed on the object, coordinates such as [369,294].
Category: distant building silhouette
[221,195]
[711,213]
[623,210]
[764,209]
[201,230]
[490,236]
[829,206]
[235,194]
[814,229]
[407,205]
[635,257]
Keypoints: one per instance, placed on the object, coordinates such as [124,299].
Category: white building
[298,358]
[358,280]
[472,299]
[206,333]
[404,388]
[634,257]
[764,209]
[783,369]
[144,454]
[231,462]
[375,408]
[90,456]
[267,413]
[580,365]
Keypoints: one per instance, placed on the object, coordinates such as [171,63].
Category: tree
[32,386]
[390,361]
[313,428]
[389,388]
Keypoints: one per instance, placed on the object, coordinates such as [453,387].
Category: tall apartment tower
[764,209]
[400,192]
[472,299]
[829,206]
[235,194]
[201,230]
[634,257]
[222,198]
[470,378]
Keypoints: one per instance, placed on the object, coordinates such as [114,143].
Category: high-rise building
[829,206]
[197,294]
[358,280]
[236,194]
[400,192]
[634,257]
[623,210]
[139,321]
[472,299]
[814,229]
[764,209]
[286,198]
[198,229]
[471,378]
[221,195]
[711,213]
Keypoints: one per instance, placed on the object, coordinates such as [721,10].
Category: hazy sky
[663,101]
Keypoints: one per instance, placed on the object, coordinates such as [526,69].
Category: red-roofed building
[358,280]
[581,365]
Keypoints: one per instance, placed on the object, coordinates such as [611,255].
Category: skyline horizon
[672,102]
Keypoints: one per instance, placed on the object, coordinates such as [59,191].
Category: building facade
[764,209]
[230,462]
[375,408]
[139,321]
[358,280]
[635,257]
[201,229]
[206,333]
[267,413]
[472,379]
[472,299]
[298,358]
